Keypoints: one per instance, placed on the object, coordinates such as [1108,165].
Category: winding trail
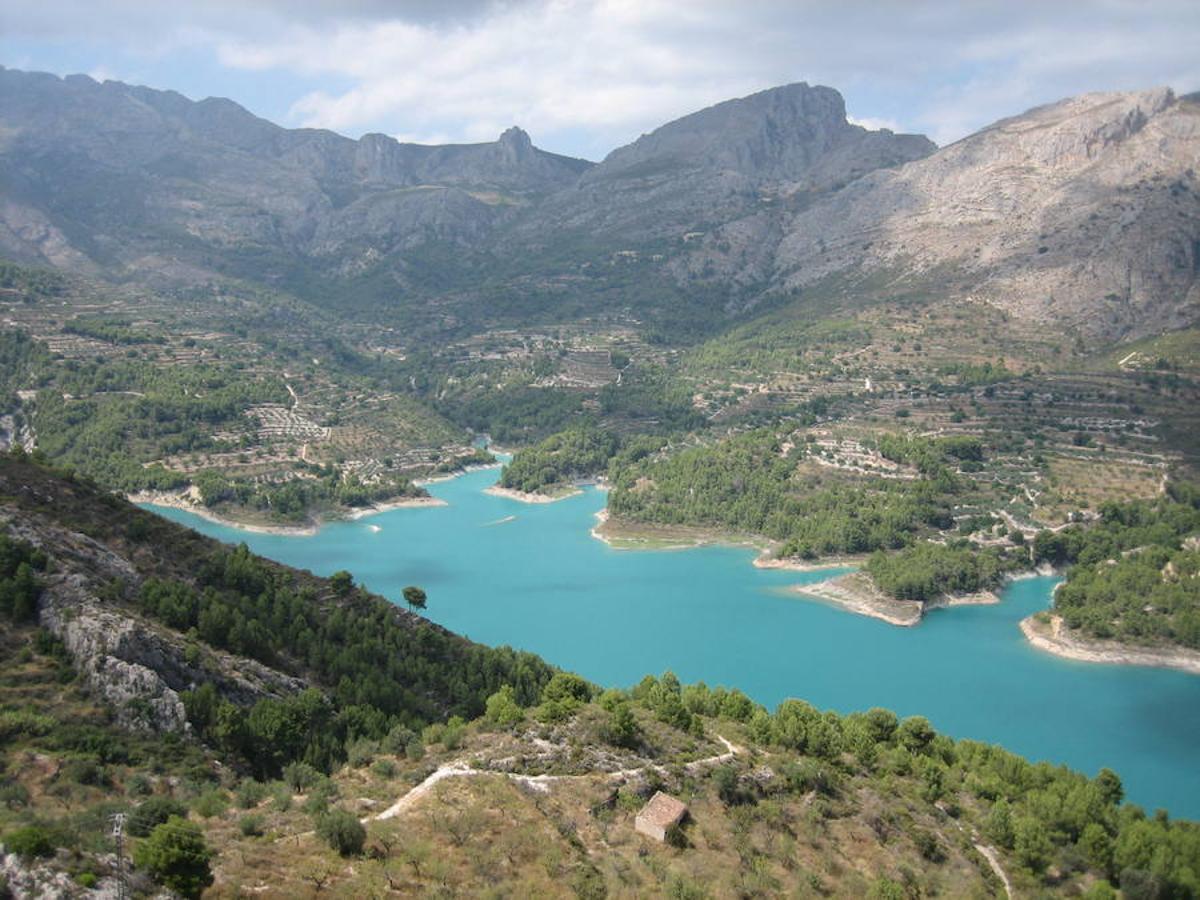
[540,783]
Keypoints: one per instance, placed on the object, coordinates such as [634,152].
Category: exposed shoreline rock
[856,592]
[185,501]
[525,497]
[1053,636]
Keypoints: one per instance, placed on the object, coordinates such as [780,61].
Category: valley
[953,389]
[534,779]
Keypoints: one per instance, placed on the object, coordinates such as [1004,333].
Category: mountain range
[1084,213]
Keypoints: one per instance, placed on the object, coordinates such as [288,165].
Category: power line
[118,836]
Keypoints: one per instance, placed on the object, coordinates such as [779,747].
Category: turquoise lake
[533,577]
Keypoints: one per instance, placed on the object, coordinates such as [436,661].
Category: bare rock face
[46,880]
[110,652]
[137,668]
[1083,213]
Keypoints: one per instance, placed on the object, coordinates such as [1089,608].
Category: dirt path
[990,855]
[540,783]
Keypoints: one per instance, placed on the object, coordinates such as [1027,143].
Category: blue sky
[586,76]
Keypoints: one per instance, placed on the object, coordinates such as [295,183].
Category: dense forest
[377,669]
[1133,574]
[20,564]
[747,484]
[293,500]
[1151,595]
[560,459]
[926,571]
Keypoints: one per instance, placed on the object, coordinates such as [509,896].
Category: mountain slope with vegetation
[357,782]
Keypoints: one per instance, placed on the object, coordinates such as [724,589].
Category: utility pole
[118,836]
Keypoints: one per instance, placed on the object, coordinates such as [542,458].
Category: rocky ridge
[1083,213]
[138,668]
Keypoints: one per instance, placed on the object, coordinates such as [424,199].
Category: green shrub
[14,795]
[455,731]
[176,856]
[503,709]
[17,722]
[85,771]
[281,798]
[211,804]
[251,825]
[319,797]
[384,768]
[621,729]
[250,793]
[30,842]
[86,879]
[928,845]
[342,831]
[361,753]
[398,739]
[152,812]
[300,776]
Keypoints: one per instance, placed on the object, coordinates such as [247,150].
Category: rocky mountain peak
[515,146]
[517,138]
[775,134]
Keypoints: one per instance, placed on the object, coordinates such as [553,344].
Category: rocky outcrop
[49,880]
[139,669]
[135,666]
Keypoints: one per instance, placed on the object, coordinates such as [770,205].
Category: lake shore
[450,476]
[1052,636]
[189,502]
[856,592]
[525,497]
[766,560]
[623,535]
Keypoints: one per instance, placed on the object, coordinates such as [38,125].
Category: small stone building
[659,815]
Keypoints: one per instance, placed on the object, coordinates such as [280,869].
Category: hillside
[1083,213]
[269,765]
